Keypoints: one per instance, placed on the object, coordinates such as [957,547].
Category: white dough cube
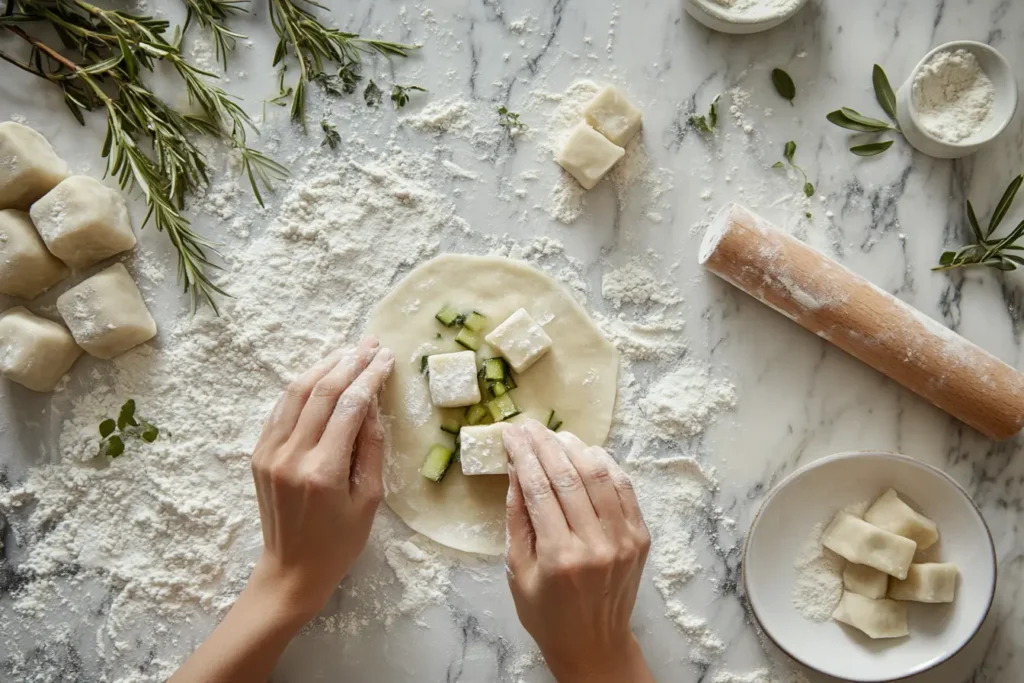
[34,352]
[29,168]
[588,155]
[106,313]
[482,449]
[27,269]
[520,340]
[452,379]
[83,221]
[611,114]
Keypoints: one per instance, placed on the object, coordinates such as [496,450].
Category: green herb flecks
[789,151]
[373,95]
[509,120]
[784,85]
[127,425]
[331,137]
[850,119]
[707,124]
[400,94]
[989,251]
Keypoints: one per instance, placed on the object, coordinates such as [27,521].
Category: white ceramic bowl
[1004,82]
[812,495]
[718,18]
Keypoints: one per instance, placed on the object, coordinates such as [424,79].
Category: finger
[368,458]
[281,423]
[350,412]
[325,394]
[519,530]
[597,479]
[546,516]
[623,487]
[565,480]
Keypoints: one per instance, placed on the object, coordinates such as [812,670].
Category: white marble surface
[799,399]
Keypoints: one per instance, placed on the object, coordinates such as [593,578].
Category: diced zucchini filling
[448,316]
[554,424]
[493,370]
[475,414]
[438,460]
[475,321]
[468,339]
[450,426]
[502,408]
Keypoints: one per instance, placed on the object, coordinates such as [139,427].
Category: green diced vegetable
[451,426]
[476,414]
[468,339]
[509,383]
[437,463]
[497,389]
[502,408]
[493,370]
[448,316]
[475,321]
[423,365]
[554,424]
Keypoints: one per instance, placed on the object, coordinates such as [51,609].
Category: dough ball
[27,269]
[588,155]
[34,352]
[106,313]
[29,168]
[83,221]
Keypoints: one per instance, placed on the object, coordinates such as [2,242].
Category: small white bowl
[996,68]
[718,18]
[812,495]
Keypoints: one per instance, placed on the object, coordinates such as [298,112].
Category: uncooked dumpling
[892,514]
[34,352]
[862,543]
[106,313]
[927,582]
[876,618]
[577,378]
[864,580]
[29,168]
[27,269]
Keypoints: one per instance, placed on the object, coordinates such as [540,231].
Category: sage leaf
[784,85]
[106,428]
[871,149]
[115,447]
[862,124]
[778,164]
[883,92]
[1004,204]
[809,189]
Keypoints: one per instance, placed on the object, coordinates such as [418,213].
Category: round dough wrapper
[576,378]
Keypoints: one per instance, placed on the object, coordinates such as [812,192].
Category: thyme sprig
[989,251]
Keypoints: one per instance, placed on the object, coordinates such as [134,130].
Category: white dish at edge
[812,495]
[718,18]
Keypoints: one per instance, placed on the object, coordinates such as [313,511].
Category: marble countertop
[886,218]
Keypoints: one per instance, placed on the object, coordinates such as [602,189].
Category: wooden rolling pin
[870,324]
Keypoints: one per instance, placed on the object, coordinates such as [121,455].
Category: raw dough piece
[577,378]
[892,514]
[877,618]
[588,155]
[611,115]
[482,449]
[83,221]
[452,379]
[927,582]
[862,543]
[106,313]
[520,340]
[27,269]
[34,352]
[866,581]
[29,168]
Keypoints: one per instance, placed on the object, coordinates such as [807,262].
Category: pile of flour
[953,95]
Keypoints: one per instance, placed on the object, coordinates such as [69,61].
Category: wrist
[283,593]
[616,664]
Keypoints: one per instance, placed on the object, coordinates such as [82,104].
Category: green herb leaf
[150,434]
[871,149]
[127,415]
[373,94]
[713,113]
[789,151]
[784,85]
[115,447]
[987,252]
[972,219]
[1004,204]
[947,258]
[809,189]
[510,120]
[700,123]
[851,120]
[106,428]
[331,137]
[883,93]
[400,94]
[778,164]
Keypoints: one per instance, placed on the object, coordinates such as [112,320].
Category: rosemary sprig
[212,15]
[707,124]
[789,151]
[850,119]
[988,251]
[314,45]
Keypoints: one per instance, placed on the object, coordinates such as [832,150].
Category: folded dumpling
[863,543]
[876,618]
[927,582]
[864,580]
[892,514]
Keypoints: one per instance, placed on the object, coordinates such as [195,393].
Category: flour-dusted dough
[29,168]
[106,313]
[927,582]
[482,449]
[34,352]
[612,115]
[892,514]
[862,543]
[520,340]
[876,618]
[864,580]
[577,378]
[452,379]
[27,269]
[83,221]
[588,155]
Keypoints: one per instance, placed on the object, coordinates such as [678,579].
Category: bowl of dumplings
[869,566]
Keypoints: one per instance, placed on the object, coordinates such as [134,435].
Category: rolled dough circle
[577,379]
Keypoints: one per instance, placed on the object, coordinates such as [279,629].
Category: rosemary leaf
[972,219]
[871,149]
[784,85]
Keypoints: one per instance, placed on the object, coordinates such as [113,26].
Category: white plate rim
[890,455]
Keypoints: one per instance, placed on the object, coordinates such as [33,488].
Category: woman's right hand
[577,548]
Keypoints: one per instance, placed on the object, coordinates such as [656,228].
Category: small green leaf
[778,164]
[851,120]
[700,123]
[947,258]
[373,94]
[127,415]
[871,149]
[789,151]
[972,218]
[115,447]
[150,434]
[106,428]
[883,92]
[713,113]
[1004,204]
[784,85]
[1004,265]
[809,189]
[807,214]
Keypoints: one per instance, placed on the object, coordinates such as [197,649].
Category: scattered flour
[684,402]
[819,578]
[634,284]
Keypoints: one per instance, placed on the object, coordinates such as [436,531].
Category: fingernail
[372,341]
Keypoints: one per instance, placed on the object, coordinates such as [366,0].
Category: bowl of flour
[742,16]
[961,96]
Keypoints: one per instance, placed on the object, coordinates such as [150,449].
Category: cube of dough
[927,582]
[876,618]
[29,168]
[83,221]
[588,155]
[482,450]
[520,340]
[611,115]
[866,581]
[452,379]
[27,269]
[893,515]
[35,352]
[106,313]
